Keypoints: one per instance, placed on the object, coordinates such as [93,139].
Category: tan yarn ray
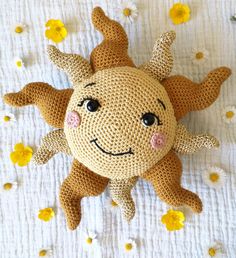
[121,194]
[161,62]
[187,143]
[165,177]
[80,183]
[51,102]
[52,143]
[187,96]
[112,52]
[74,65]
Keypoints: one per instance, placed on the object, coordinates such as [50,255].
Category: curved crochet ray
[120,122]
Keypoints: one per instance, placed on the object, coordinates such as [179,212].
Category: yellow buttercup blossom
[46,214]
[179,13]
[21,155]
[55,31]
[173,220]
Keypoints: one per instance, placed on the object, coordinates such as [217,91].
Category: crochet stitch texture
[122,109]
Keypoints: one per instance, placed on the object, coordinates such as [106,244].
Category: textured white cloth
[22,235]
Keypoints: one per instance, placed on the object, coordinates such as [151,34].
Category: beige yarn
[52,143]
[74,65]
[161,62]
[187,143]
[124,93]
[121,194]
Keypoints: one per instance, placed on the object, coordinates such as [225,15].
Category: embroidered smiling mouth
[109,152]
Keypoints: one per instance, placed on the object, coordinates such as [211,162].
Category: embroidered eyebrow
[161,102]
[89,84]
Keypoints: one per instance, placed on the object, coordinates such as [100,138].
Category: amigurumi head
[120,122]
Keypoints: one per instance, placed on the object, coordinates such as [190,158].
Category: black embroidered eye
[92,105]
[149,119]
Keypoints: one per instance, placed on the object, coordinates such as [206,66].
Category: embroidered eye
[149,119]
[92,105]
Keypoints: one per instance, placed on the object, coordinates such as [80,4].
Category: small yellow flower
[21,155]
[55,31]
[173,220]
[19,28]
[46,214]
[91,240]
[130,246]
[45,252]
[179,13]
[229,114]
[216,250]
[7,118]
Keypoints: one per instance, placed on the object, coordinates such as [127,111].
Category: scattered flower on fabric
[173,219]
[233,17]
[90,240]
[128,12]
[10,186]
[199,55]
[215,250]
[7,118]
[46,214]
[55,31]
[111,205]
[179,13]
[45,252]
[214,177]
[130,246]
[19,28]
[21,155]
[229,114]
[19,63]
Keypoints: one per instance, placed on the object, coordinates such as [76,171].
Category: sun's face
[120,122]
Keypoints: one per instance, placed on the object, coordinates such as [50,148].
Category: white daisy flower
[199,55]
[7,118]
[111,205]
[19,28]
[214,177]
[229,114]
[128,12]
[90,240]
[18,62]
[45,252]
[215,250]
[9,186]
[130,246]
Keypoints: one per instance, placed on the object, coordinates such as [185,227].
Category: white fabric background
[21,233]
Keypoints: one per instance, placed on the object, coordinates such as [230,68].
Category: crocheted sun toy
[120,122]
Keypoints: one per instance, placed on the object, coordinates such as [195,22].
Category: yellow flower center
[19,29]
[19,63]
[199,55]
[127,12]
[7,186]
[229,114]
[58,29]
[113,203]
[89,240]
[212,251]
[180,13]
[6,118]
[128,247]
[214,177]
[43,253]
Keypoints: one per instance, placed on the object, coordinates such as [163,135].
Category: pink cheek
[158,140]
[73,119]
